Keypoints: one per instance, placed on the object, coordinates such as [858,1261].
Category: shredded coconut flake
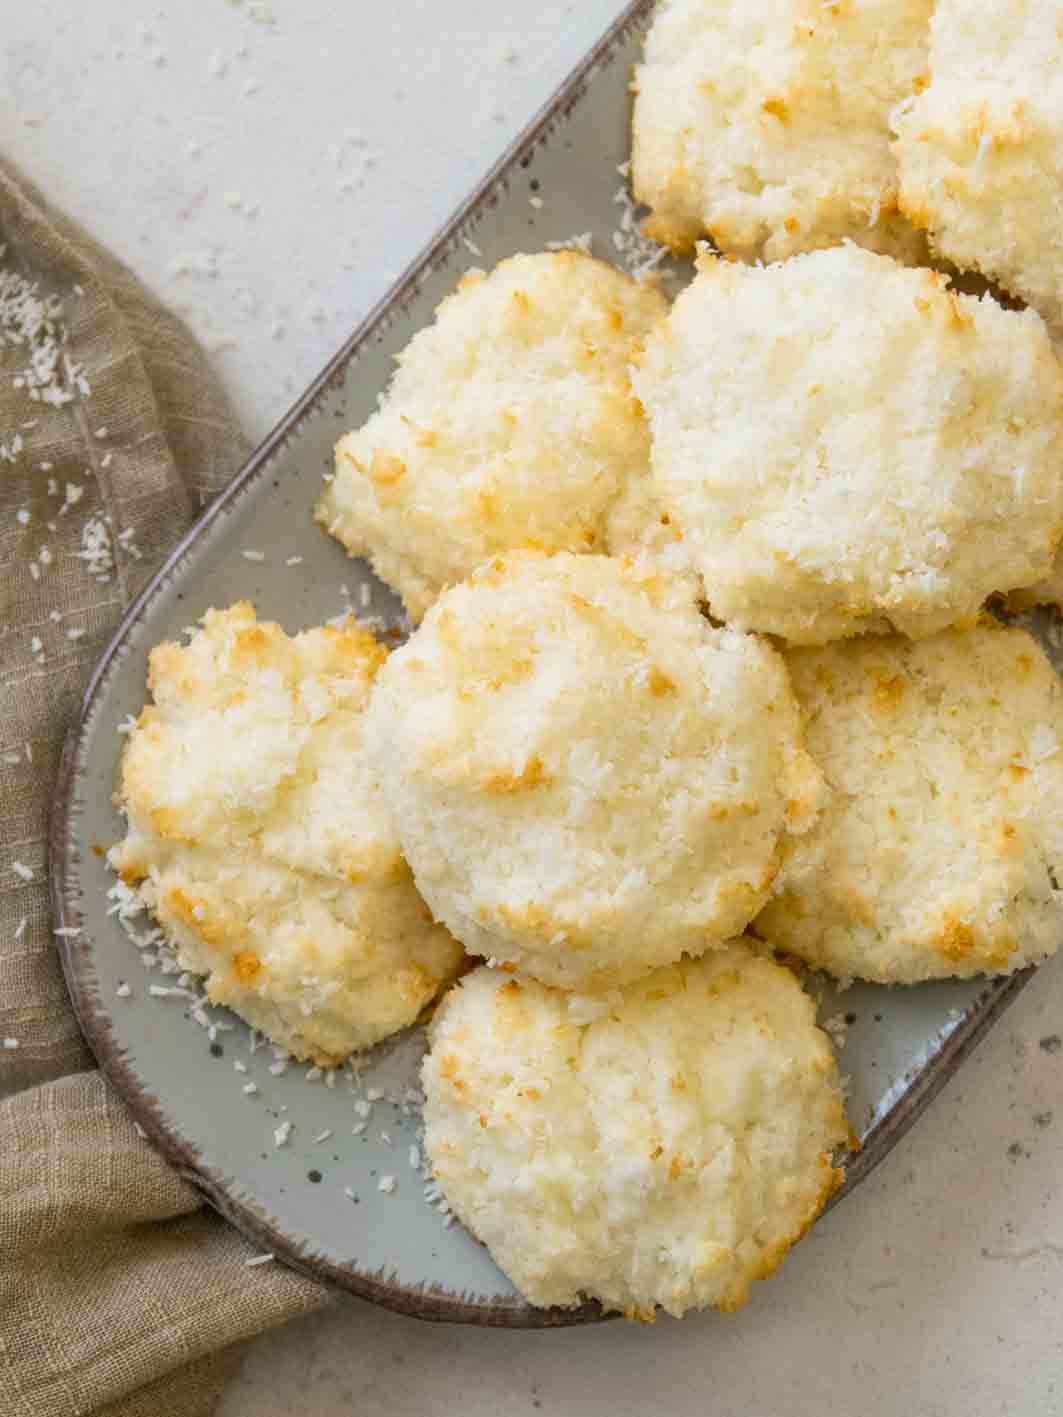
[9,452]
[583,242]
[637,252]
[97,550]
[837,1029]
[33,323]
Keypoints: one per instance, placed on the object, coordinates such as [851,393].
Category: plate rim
[428,1302]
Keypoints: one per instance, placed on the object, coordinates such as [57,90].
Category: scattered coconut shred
[156,953]
[33,323]
[638,254]
[837,1027]
[97,548]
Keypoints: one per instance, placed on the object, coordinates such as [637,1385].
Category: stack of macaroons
[703,667]
[597,790]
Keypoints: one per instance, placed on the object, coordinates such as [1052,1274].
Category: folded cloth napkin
[119,1293]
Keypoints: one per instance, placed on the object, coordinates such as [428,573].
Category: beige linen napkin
[119,1293]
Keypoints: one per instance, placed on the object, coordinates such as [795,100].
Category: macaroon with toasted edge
[258,838]
[939,852]
[662,1146]
[980,148]
[509,422]
[588,779]
[764,124]
[848,445]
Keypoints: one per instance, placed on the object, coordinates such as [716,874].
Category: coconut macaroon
[510,422]
[257,836]
[587,778]
[765,123]
[940,851]
[665,1145]
[980,150]
[848,445]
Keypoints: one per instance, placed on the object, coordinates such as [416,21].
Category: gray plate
[316,1203]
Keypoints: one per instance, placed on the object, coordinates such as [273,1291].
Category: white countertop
[269,181]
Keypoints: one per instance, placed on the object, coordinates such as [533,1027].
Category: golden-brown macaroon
[258,838]
[664,1146]
[847,445]
[980,149]
[587,778]
[765,123]
[940,849]
[510,422]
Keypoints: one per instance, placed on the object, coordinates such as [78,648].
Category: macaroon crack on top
[509,422]
[664,1146]
[848,445]
[258,837]
[587,777]
[940,850]
[980,148]
[765,123]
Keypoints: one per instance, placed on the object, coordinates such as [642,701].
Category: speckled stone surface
[270,179]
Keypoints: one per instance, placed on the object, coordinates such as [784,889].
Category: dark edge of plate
[432,1303]
[921,1086]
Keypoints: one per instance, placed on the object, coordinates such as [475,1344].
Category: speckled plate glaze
[315,1201]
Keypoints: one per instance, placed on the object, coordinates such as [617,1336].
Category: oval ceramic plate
[327,1177]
